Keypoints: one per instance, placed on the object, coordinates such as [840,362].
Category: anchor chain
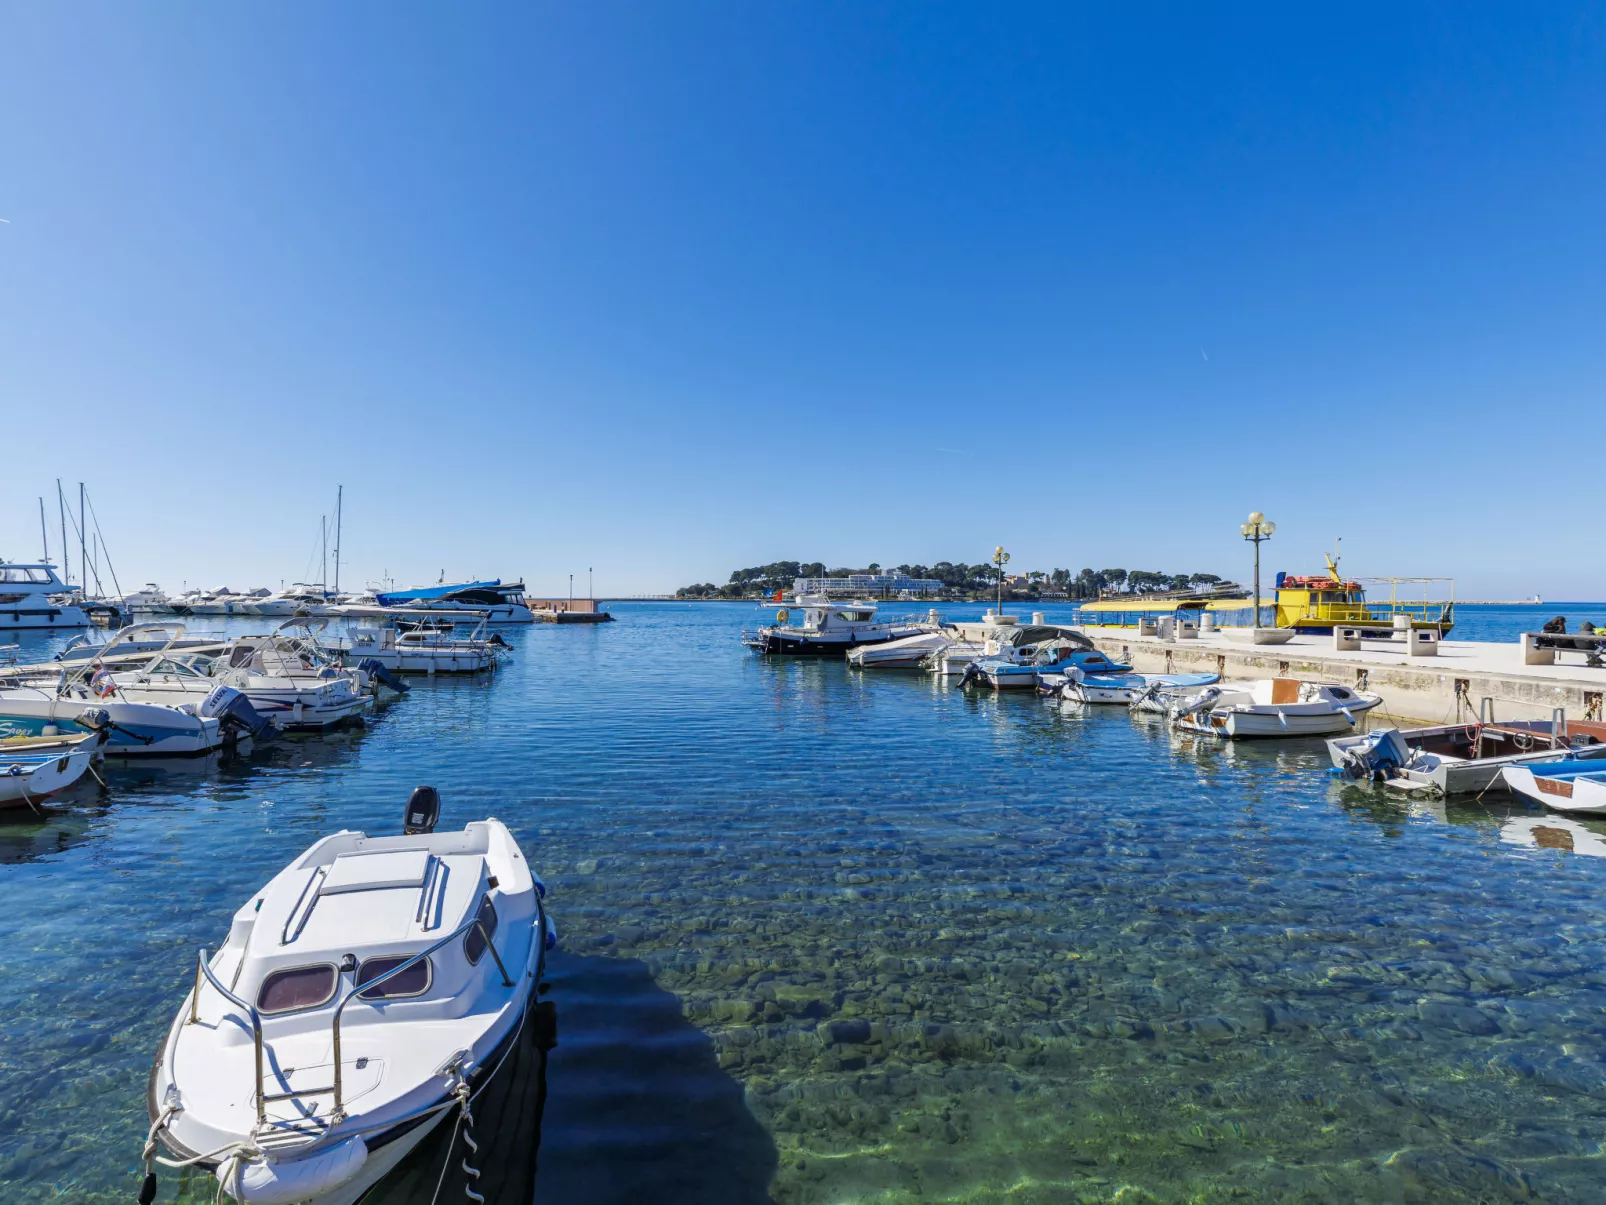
[469,1170]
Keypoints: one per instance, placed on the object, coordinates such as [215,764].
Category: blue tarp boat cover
[400,598]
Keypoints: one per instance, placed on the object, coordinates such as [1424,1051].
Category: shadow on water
[639,1109]
[631,1103]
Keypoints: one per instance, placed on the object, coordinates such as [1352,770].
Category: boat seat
[1284,690]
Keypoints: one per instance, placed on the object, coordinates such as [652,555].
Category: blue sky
[671,289]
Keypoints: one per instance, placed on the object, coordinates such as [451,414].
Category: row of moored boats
[154,690]
[1560,763]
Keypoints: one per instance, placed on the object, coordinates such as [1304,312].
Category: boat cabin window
[241,656]
[414,981]
[168,666]
[1340,693]
[475,941]
[16,573]
[296,988]
[858,616]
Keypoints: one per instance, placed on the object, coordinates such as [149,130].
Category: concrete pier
[1439,689]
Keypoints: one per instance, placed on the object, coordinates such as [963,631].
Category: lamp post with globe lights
[1257,529]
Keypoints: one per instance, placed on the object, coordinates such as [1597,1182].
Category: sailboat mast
[340,498]
[61,505]
[323,535]
[44,534]
[83,553]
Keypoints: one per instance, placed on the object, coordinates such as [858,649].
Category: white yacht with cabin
[366,994]
[27,590]
[826,627]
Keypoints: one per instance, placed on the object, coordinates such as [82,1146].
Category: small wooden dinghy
[1574,786]
[33,767]
[368,991]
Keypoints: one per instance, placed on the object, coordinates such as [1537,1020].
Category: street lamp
[1000,559]
[1257,529]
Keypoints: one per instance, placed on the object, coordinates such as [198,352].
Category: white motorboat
[131,643]
[33,767]
[299,599]
[1273,707]
[428,647]
[367,993]
[56,700]
[827,628]
[1575,785]
[30,598]
[908,652]
[1463,759]
[136,728]
[287,677]
[152,600]
[1124,687]
[500,602]
[221,602]
[1051,661]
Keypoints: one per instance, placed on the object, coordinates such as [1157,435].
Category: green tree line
[959,578]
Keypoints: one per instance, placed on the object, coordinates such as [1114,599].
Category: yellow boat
[1314,603]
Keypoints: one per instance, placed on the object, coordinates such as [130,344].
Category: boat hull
[36,615]
[773,645]
[1240,725]
[1580,794]
[25,777]
[140,729]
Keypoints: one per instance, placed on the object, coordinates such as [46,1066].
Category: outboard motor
[96,719]
[234,714]
[423,811]
[1376,757]
[495,639]
[376,670]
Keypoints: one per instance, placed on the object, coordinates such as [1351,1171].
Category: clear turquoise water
[835,937]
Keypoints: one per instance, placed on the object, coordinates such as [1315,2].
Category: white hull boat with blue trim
[364,996]
[1049,664]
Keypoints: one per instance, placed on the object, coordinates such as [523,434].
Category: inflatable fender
[286,1182]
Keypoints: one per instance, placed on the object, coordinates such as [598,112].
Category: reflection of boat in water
[26,837]
[1554,832]
[371,989]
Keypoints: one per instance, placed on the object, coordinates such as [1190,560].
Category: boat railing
[202,968]
[263,1099]
[476,923]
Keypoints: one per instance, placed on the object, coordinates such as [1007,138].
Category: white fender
[285,1182]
